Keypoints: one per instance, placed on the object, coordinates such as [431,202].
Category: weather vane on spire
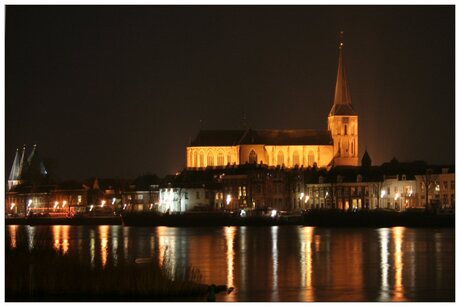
[341,39]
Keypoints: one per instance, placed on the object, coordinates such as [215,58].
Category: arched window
[252,157]
[295,158]
[311,158]
[345,129]
[280,158]
[210,159]
[195,159]
[201,159]
[220,158]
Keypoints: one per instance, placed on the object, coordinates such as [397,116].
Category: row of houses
[392,186]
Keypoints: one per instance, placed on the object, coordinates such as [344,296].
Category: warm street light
[229,199]
[302,195]
[64,203]
[103,203]
[12,206]
[56,204]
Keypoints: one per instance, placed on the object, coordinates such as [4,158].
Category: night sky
[118,91]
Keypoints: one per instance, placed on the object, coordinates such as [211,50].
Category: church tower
[343,120]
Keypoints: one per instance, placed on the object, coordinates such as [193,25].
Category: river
[279,263]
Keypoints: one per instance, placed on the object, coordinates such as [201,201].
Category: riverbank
[43,274]
[318,218]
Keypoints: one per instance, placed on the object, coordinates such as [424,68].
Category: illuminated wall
[272,155]
[184,199]
[344,130]
[204,156]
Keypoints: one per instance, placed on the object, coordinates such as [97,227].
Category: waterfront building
[338,145]
[27,170]
[188,191]
[344,189]
[437,188]
[142,195]
[399,192]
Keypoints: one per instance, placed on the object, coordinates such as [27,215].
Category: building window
[220,158]
[201,159]
[185,195]
[444,183]
[452,185]
[140,196]
[210,159]
[206,194]
[295,158]
[197,195]
[252,157]
[79,198]
[311,158]
[345,129]
[280,158]
[195,159]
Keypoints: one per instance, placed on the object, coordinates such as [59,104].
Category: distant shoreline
[317,218]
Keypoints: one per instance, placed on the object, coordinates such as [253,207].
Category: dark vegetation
[44,274]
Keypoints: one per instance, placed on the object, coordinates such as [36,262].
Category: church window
[252,157]
[280,158]
[311,158]
[210,159]
[201,159]
[220,158]
[295,158]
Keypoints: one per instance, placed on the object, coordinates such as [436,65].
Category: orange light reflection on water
[306,268]
[13,234]
[398,236]
[103,236]
[229,238]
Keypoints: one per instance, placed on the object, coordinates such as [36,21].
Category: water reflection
[275,263]
[13,229]
[274,236]
[384,265]
[306,239]
[229,237]
[398,235]
[167,248]
[104,239]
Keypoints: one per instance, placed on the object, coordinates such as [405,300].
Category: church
[336,146]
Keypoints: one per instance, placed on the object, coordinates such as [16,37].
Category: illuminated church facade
[336,146]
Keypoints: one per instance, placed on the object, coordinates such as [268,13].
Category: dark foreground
[43,274]
[320,218]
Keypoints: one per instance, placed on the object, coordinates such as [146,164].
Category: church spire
[342,98]
[14,174]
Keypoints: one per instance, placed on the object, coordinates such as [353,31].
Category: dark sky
[118,91]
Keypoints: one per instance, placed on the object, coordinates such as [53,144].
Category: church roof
[342,98]
[265,137]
